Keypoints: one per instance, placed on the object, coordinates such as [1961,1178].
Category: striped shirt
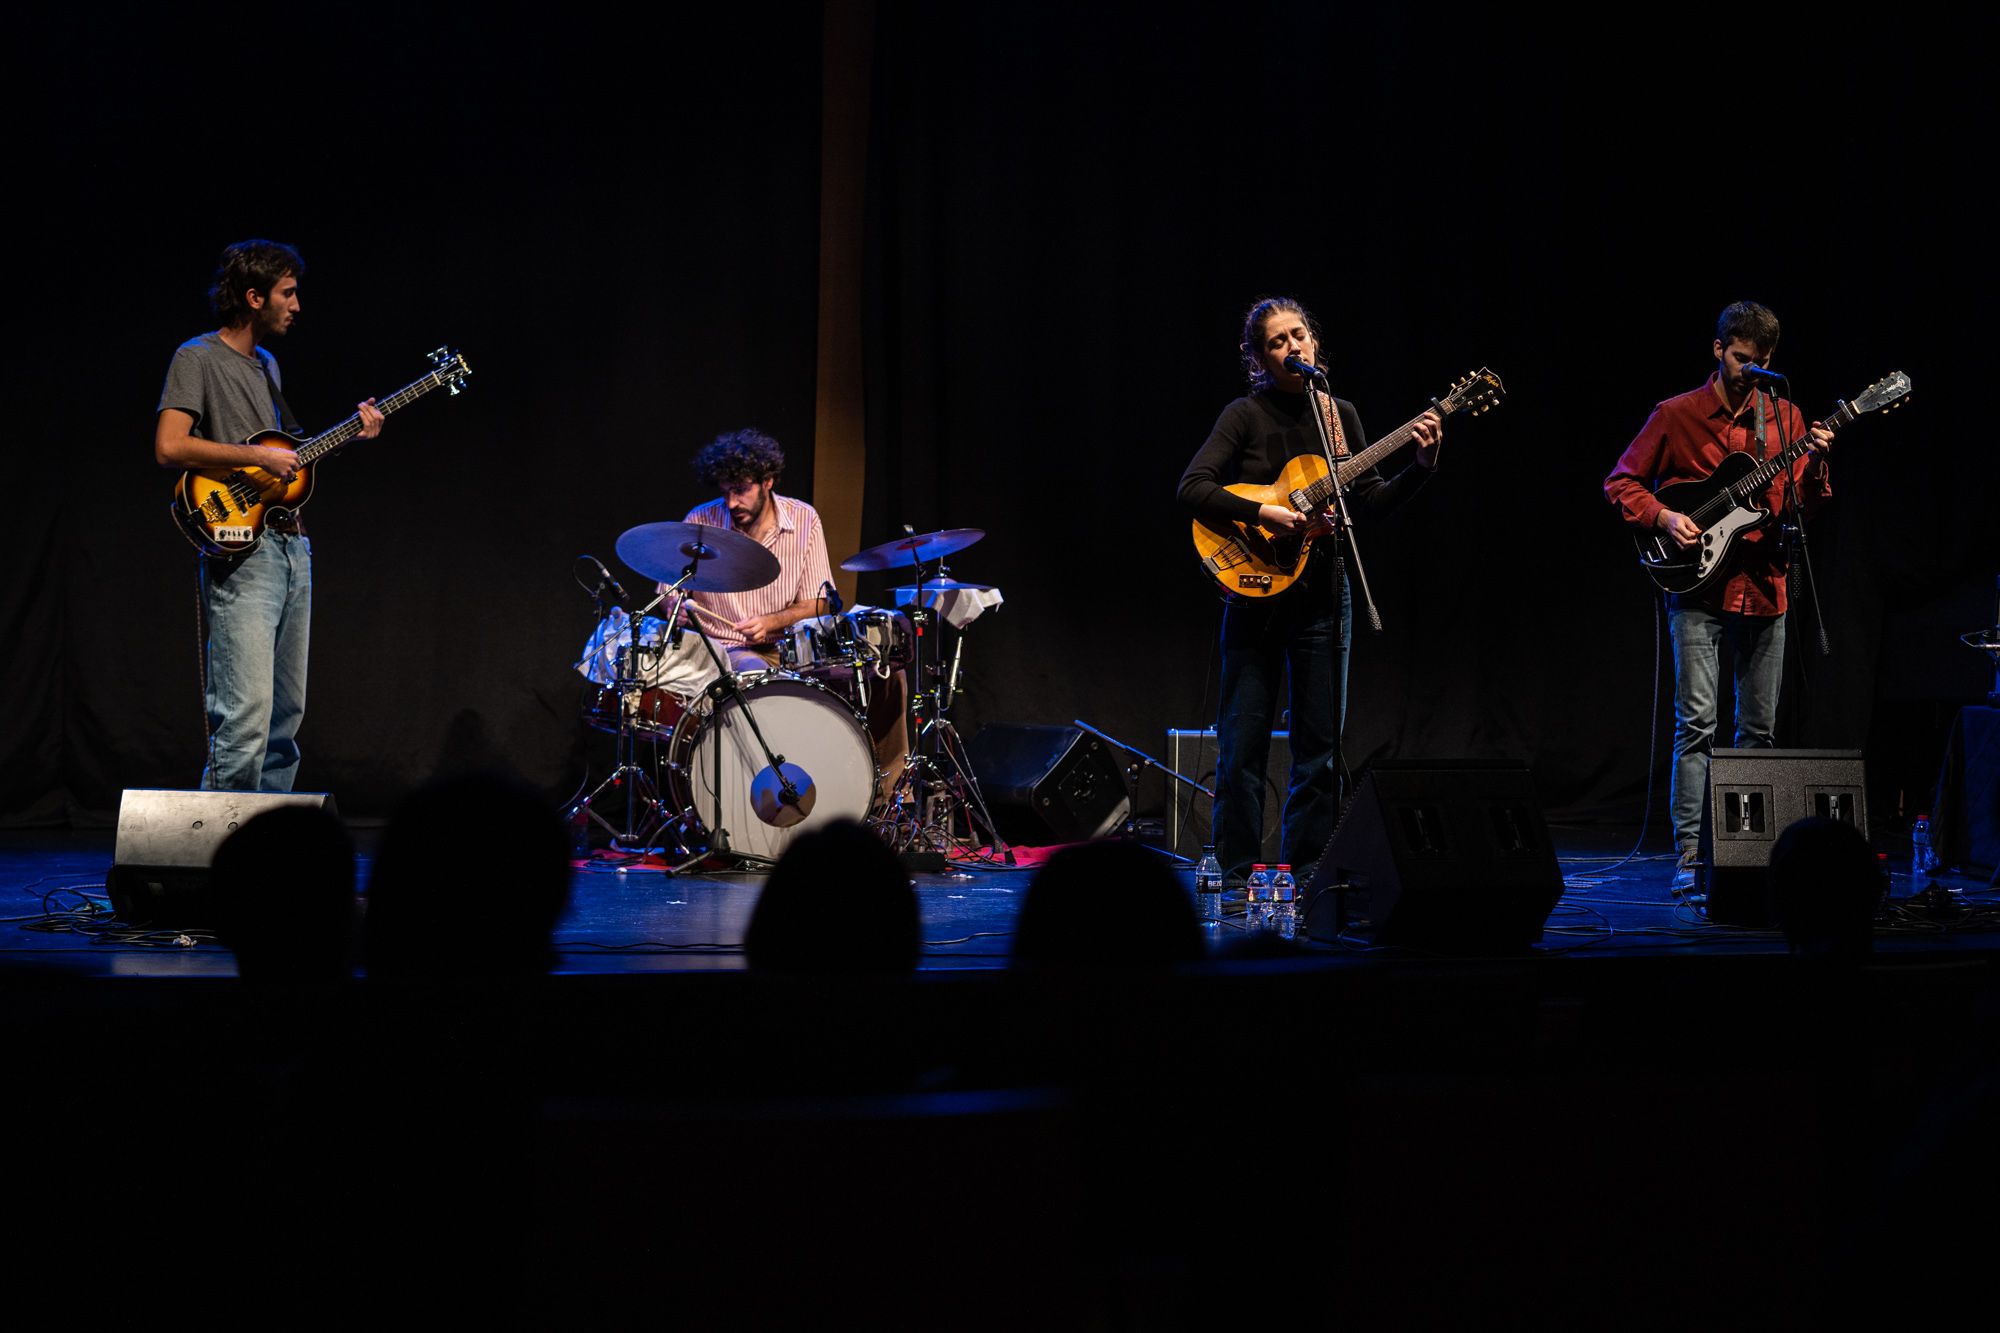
[803,568]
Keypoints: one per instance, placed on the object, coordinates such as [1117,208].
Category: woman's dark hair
[1252,345]
[250,266]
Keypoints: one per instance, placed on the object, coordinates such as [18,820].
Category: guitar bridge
[212,505]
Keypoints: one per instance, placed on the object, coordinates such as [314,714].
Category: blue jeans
[1306,630]
[257,611]
[1758,644]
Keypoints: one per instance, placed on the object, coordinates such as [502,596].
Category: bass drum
[826,752]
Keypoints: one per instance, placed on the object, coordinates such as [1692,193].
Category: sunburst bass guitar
[224,510]
[1250,560]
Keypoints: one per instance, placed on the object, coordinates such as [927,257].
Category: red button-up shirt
[1684,440]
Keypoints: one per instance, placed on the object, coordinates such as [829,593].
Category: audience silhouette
[470,880]
[1106,904]
[1826,886]
[283,886]
[838,901]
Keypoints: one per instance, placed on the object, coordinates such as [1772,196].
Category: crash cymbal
[908,592]
[727,561]
[908,552]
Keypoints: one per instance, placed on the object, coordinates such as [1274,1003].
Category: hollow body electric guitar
[1724,503]
[224,511]
[1250,560]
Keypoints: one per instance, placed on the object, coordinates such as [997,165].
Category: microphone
[623,596]
[834,606]
[1299,366]
[1753,374]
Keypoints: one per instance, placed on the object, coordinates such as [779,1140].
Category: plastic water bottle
[1257,898]
[1284,910]
[1923,856]
[1208,890]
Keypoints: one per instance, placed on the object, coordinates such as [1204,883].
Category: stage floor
[625,918]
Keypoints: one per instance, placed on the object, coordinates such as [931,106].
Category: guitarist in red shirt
[1743,602]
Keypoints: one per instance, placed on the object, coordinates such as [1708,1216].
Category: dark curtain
[616,224]
[1069,218]
[1069,209]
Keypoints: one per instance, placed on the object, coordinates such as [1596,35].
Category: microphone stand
[1142,762]
[1795,538]
[628,679]
[1343,522]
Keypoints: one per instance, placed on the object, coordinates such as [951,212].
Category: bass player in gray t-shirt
[222,388]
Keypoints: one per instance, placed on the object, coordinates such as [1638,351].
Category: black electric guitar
[224,510]
[1724,502]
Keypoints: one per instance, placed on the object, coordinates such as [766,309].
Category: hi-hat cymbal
[908,552]
[725,559]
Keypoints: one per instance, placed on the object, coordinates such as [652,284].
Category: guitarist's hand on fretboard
[371,420]
[1822,437]
[1428,431]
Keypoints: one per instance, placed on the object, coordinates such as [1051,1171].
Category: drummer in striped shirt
[744,465]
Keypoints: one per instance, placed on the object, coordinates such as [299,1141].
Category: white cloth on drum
[959,606]
[685,671]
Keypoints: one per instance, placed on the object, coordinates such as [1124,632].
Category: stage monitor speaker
[1454,856]
[1047,784]
[1753,796]
[166,843]
[1190,815]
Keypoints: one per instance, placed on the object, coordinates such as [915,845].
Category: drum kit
[744,762]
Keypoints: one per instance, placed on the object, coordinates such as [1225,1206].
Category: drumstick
[711,616]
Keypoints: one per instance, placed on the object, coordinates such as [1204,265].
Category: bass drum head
[826,752]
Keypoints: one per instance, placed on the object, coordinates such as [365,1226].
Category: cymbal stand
[641,792]
[937,798]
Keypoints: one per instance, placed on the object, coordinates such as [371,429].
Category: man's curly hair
[737,457]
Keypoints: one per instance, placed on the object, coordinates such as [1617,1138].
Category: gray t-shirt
[222,389]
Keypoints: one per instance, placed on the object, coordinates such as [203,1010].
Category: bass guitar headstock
[453,370]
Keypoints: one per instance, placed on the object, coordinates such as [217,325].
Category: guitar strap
[281,522]
[1757,406]
[1331,416]
[286,420]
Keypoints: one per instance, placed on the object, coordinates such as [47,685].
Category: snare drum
[882,637]
[816,646]
[826,751]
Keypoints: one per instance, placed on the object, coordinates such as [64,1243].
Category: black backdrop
[1067,212]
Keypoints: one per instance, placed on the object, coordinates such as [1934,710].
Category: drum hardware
[780,794]
[937,789]
[719,773]
[628,685]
